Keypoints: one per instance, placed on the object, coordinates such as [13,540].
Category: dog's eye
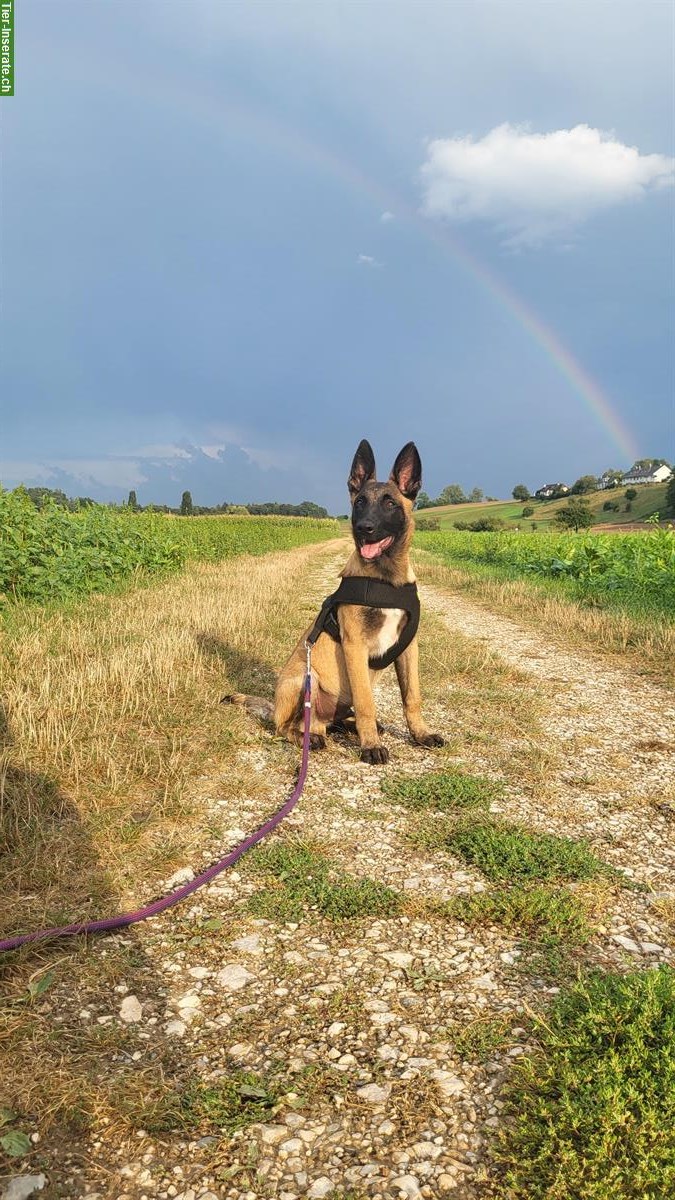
[359,502]
[389,502]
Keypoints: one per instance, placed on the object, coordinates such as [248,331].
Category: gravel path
[364,1014]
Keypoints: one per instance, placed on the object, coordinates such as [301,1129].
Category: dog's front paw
[430,739]
[317,741]
[375,755]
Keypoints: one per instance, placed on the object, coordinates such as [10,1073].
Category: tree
[452,494]
[186,507]
[587,483]
[475,495]
[521,492]
[132,502]
[630,493]
[423,500]
[670,495]
[527,511]
[576,516]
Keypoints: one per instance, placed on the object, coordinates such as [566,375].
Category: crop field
[635,572]
[52,554]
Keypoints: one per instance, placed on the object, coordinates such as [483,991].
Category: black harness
[371,593]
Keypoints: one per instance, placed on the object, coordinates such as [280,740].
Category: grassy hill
[650,499]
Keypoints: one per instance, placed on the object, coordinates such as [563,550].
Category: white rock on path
[234,977]
[399,958]
[175,1028]
[406,1184]
[320,1188]
[22,1186]
[251,944]
[372,1093]
[131,1010]
[626,943]
[448,1084]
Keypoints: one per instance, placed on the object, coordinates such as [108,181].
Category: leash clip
[308,652]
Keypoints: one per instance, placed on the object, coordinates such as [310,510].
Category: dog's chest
[383,627]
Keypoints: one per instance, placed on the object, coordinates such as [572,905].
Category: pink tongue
[374,549]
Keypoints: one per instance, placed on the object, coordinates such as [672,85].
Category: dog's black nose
[365,528]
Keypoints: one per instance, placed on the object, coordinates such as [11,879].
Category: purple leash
[151,910]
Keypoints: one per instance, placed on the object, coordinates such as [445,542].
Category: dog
[362,633]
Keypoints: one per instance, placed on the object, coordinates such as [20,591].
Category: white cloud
[387,216]
[367,260]
[533,187]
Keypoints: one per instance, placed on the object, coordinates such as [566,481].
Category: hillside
[650,499]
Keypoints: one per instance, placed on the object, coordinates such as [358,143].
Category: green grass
[441,790]
[304,879]
[591,1114]
[506,852]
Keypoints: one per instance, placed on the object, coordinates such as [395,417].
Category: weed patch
[505,852]
[305,879]
[592,1112]
[482,1039]
[441,790]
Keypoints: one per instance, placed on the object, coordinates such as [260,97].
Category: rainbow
[240,121]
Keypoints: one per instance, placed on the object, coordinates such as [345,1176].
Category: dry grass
[111,731]
[648,645]
[111,716]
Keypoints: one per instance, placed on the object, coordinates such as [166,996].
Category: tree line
[41,497]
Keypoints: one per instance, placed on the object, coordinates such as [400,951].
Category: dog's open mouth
[371,550]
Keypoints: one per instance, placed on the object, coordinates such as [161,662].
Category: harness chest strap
[371,593]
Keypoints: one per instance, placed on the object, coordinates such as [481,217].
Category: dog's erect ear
[363,468]
[406,472]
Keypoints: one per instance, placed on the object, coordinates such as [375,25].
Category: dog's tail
[264,709]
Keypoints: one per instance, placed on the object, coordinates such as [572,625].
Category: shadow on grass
[69,1065]
[243,672]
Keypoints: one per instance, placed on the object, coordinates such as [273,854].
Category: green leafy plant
[592,1112]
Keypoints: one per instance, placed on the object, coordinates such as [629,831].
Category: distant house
[609,479]
[551,489]
[647,475]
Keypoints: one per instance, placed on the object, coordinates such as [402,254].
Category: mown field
[650,499]
[52,554]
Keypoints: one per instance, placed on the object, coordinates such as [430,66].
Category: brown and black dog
[382,528]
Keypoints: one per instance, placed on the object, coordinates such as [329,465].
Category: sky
[239,237]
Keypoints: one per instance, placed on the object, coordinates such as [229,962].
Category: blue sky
[237,238]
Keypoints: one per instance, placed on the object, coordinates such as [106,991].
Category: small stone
[175,1028]
[188,1000]
[447,1183]
[386,1128]
[234,977]
[408,1185]
[131,1010]
[22,1186]
[626,943]
[336,1029]
[241,1050]
[448,1084]
[651,948]
[292,1146]
[251,944]
[372,1093]
[320,1188]
[399,958]
[185,875]
[272,1134]
[199,972]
